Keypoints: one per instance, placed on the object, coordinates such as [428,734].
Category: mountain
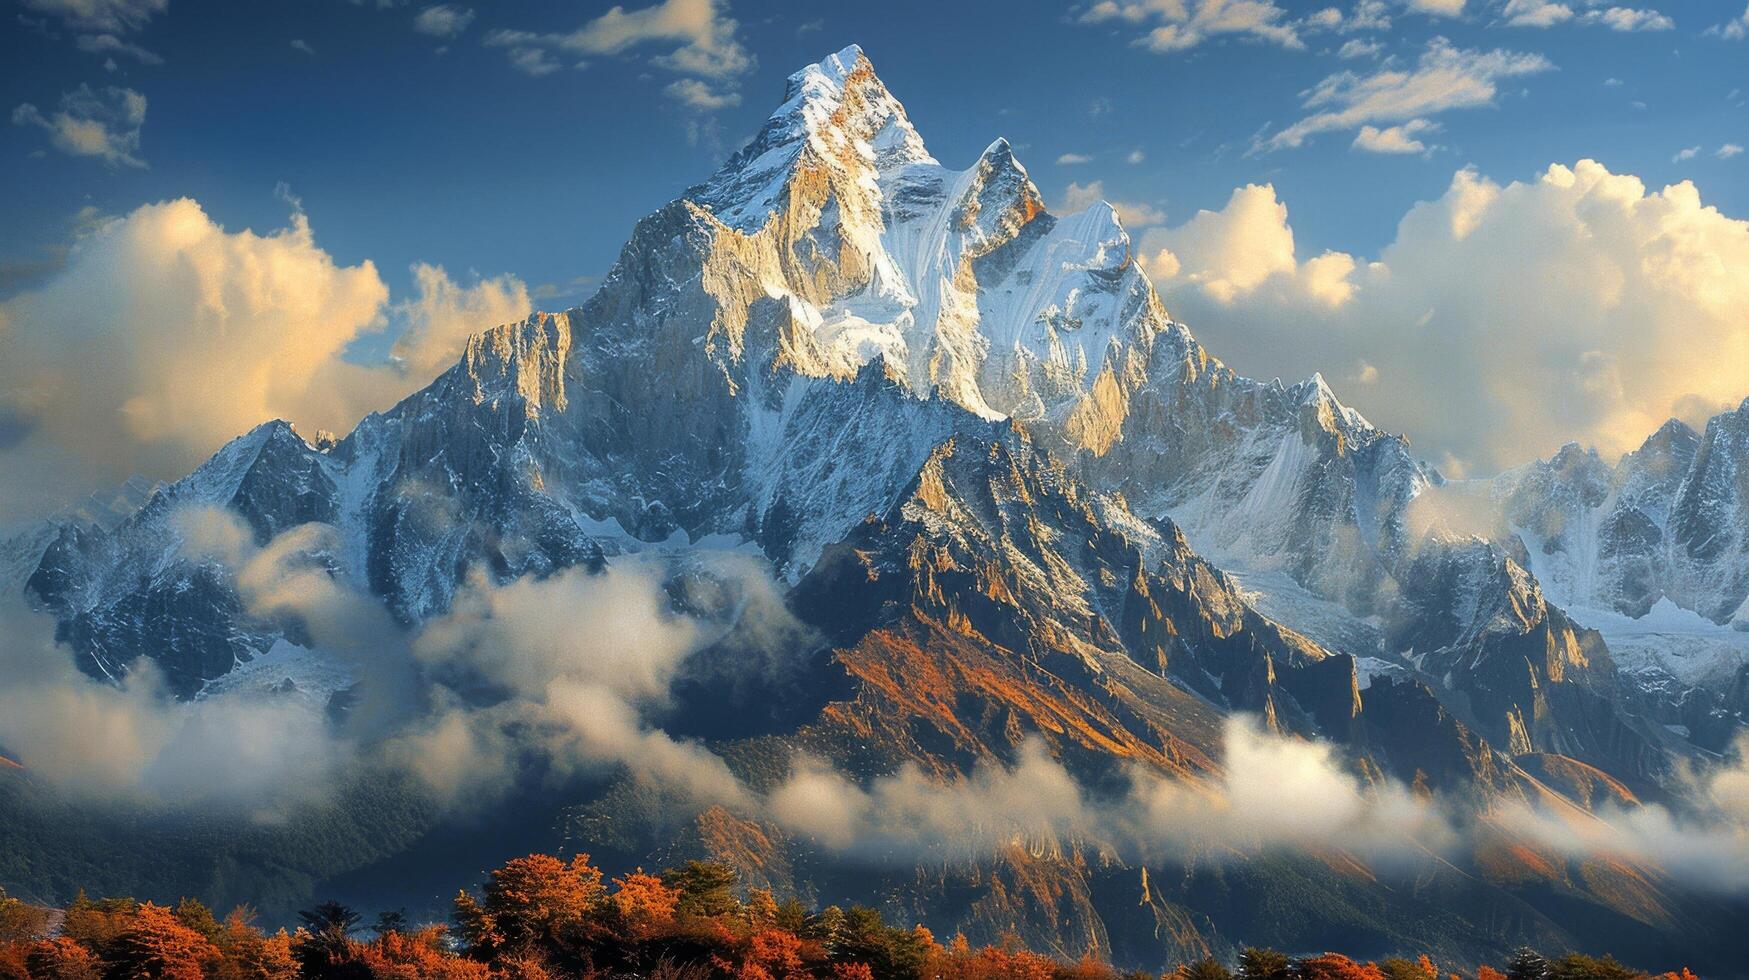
[1020,503]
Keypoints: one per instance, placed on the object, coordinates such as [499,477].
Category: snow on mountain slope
[1670,520]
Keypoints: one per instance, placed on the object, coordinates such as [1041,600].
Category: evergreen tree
[1207,968]
[325,948]
[195,915]
[394,920]
[707,888]
[1264,964]
[1526,964]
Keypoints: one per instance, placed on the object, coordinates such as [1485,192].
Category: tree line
[541,917]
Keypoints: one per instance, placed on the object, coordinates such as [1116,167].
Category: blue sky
[407,147]
[1493,225]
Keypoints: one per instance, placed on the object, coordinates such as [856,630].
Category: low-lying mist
[572,676]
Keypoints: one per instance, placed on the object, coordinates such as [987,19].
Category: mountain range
[1015,504]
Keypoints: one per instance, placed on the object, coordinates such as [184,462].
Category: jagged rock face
[998,573]
[1670,520]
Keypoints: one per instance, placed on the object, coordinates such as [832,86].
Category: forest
[541,916]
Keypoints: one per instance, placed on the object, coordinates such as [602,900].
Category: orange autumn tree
[1335,966]
[644,902]
[160,947]
[419,955]
[529,902]
[60,958]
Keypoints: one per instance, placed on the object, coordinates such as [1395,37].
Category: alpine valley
[1013,512]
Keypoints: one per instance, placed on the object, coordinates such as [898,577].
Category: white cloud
[1135,157]
[1367,15]
[1443,79]
[1536,13]
[1358,48]
[1735,29]
[103,124]
[442,314]
[1178,25]
[1227,254]
[1707,846]
[1394,139]
[1628,19]
[695,94]
[700,39]
[299,44]
[1510,319]
[443,20]
[115,16]
[1728,151]
[164,335]
[1073,159]
[533,61]
[1685,154]
[1270,792]
[1133,214]
[110,44]
[132,740]
[581,661]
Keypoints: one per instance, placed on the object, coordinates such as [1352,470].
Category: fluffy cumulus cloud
[1178,25]
[443,20]
[695,94]
[696,38]
[1228,254]
[442,313]
[102,123]
[1444,78]
[1395,139]
[1502,321]
[164,335]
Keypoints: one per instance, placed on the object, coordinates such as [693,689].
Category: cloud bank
[164,335]
[1502,321]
